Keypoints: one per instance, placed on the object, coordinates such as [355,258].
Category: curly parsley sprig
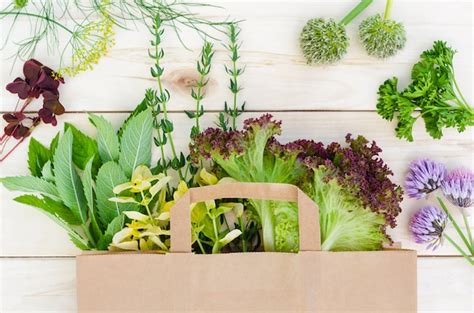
[433,95]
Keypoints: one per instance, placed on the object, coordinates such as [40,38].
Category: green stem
[165,112]
[147,208]
[40,17]
[89,235]
[215,247]
[234,115]
[355,12]
[244,241]
[469,234]
[200,245]
[388,9]
[455,245]
[456,226]
[466,104]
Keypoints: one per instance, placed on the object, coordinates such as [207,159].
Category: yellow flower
[180,191]
[205,178]
[141,180]
[143,233]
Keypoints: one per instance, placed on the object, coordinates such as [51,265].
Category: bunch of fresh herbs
[433,95]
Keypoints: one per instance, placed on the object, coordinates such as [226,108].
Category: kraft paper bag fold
[308,281]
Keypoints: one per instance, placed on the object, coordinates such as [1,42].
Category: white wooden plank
[27,232]
[445,285]
[276,76]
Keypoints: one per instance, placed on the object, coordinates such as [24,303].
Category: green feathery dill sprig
[203,67]
[100,35]
[234,72]
[161,97]
[86,35]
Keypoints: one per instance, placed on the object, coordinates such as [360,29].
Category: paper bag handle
[308,212]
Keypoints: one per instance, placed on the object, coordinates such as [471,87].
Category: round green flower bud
[382,37]
[20,3]
[323,42]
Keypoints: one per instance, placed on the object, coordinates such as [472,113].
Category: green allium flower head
[323,42]
[382,37]
[20,3]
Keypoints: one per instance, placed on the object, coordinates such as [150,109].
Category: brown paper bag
[308,281]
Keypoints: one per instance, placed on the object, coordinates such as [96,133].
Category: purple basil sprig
[39,80]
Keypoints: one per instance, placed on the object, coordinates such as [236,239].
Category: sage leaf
[115,226]
[135,146]
[54,144]
[50,207]
[138,109]
[88,184]
[83,147]
[47,172]
[67,180]
[109,176]
[38,155]
[59,214]
[107,139]
[30,184]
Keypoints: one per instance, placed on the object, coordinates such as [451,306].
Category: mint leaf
[88,184]
[107,139]
[54,144]
[30,184]
[83,147]
[38,155]
[109,176]
[67,180]
[47,172]
[138,109]
[49,207]
[114,227]
[78,241]
[136,142]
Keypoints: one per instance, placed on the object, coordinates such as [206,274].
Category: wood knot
[183,80]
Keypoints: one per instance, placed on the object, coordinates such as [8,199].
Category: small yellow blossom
[143,233]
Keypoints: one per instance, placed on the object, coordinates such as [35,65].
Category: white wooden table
[321,103]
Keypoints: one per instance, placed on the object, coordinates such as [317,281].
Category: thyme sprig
[203,67]
[234,72]
[160,98]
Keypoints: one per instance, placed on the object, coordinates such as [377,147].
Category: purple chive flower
[427,226]
[458,187]
[424,176]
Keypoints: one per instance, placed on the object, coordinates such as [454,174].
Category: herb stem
[468,229]
[200,244]
[145,204]
[159,53]
[234,115]
[88,235]
[456,226]
[242,229]
[39,17]
[355,12]
[388,9]
[460,250]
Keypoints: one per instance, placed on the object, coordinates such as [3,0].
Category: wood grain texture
[276,76]
[276,79]
[40,236]
[48,285]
